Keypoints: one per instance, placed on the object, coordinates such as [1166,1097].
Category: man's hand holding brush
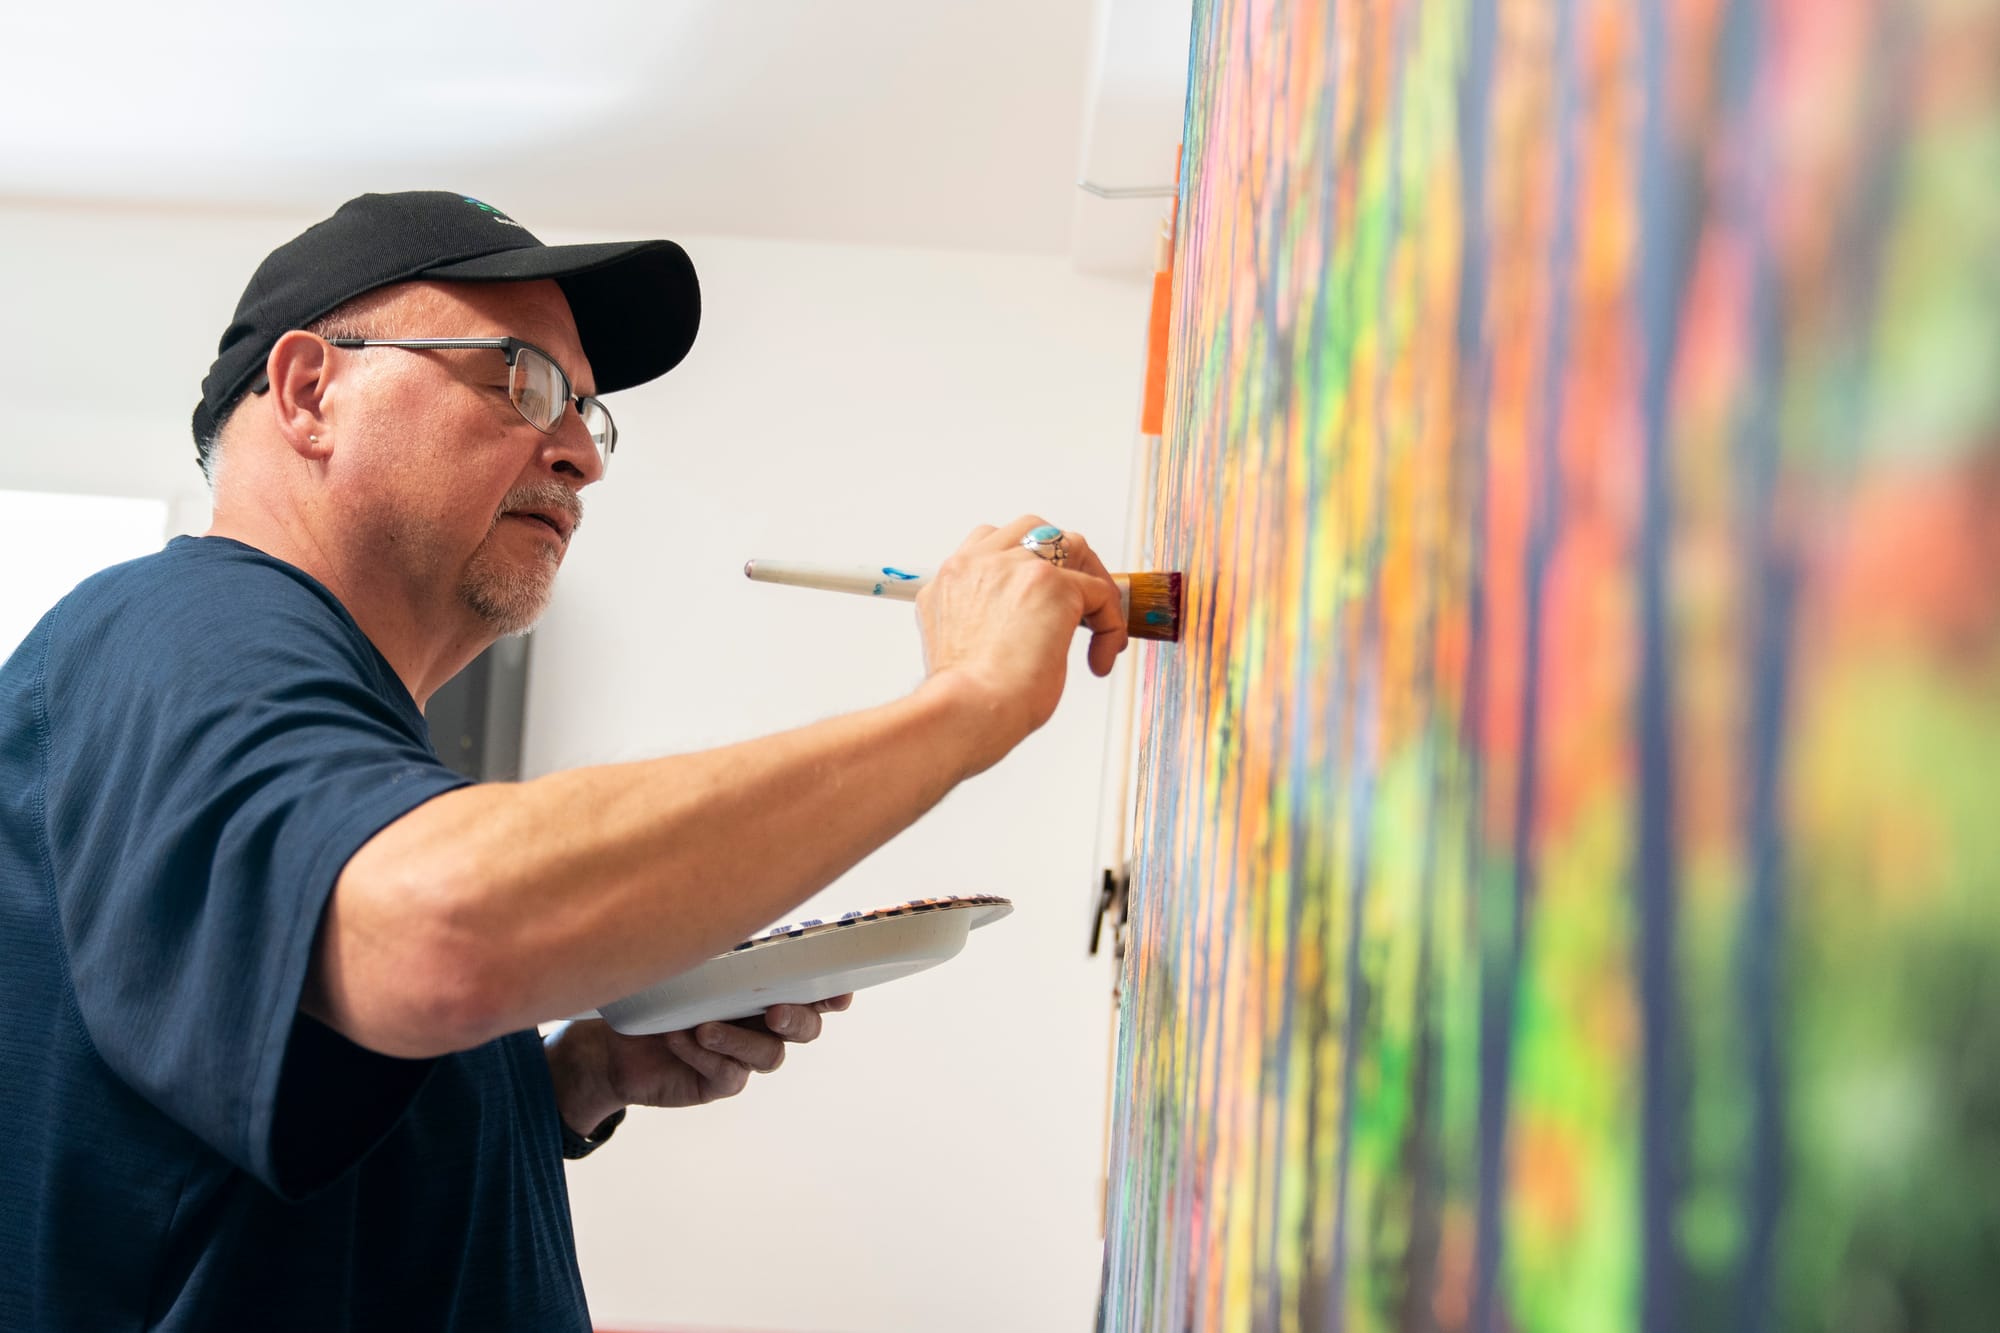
[998,621]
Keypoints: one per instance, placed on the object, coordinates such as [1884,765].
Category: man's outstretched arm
[499,906]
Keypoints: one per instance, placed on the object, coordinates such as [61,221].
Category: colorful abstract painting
[1567,877]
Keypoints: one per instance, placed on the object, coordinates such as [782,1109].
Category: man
[271,972]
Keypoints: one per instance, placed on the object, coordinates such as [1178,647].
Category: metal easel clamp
[1114,890]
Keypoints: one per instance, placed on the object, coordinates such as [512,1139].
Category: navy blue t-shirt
[191,747]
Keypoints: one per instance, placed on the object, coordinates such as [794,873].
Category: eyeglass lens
[539,390]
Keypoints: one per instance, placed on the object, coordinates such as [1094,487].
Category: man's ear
[298,367]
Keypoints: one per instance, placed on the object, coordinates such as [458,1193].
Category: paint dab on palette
[793,930]
[807,962]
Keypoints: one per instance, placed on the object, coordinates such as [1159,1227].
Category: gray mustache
[553,497]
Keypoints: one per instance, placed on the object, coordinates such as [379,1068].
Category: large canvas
[1567,885]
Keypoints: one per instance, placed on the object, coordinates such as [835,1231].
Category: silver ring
[1047,542]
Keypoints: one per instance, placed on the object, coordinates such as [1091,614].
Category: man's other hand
[598,1070]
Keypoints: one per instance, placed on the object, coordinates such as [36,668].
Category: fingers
[986,535]
[1104,606]
[1010,534]
[713,1060]
[726,1054]
[1103,610]
[1003,622]
[719,1075]
[800,1023]
[748,1046]
[793,1022]
[1108,635]
[723,1056]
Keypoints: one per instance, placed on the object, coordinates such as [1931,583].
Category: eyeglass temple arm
[511,346]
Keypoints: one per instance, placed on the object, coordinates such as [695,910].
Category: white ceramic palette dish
[807,961]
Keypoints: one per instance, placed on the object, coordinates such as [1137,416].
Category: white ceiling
[950,123]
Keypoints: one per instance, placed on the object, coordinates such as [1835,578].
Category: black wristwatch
[577,1145]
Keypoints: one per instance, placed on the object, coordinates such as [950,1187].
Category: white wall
[934,1162]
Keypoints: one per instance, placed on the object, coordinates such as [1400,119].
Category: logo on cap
[489,209]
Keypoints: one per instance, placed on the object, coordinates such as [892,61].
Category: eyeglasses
[535,383]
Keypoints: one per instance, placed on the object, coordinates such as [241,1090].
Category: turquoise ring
[1047,542]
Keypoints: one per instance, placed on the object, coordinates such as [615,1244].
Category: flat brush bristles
[1153,606]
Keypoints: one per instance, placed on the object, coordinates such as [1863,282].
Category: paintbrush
[1151,601]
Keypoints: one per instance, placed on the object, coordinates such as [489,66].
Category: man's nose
[572,452]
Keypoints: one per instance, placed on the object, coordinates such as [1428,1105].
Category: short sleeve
[217,744]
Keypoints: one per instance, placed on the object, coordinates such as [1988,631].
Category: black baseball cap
[636,303]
